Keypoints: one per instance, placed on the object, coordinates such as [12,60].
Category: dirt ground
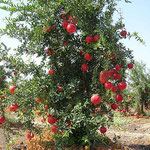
[135,134]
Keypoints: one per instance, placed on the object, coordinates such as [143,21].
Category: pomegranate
[122,85]
[54,129]
[89,39]
[114,89]
[13,107]
[96,99]
[2,119]
[108,85]
[65,24]
[119,97]
[114,106]
[29,135]
[96,37]
[84,67]
[130,66]
[71,28]
[103,130]
[123,33]
[88,57]
[117,67]
[60,89]
[51,120]
[51,72]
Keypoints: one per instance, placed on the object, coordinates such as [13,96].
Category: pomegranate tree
[74,77]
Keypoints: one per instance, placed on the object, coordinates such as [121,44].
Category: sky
[136,18]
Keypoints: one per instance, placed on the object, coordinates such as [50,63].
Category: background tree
[80,61]
[140,78]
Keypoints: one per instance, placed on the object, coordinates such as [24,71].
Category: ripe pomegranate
[65,24]
[15,73]
[54,129]
[117,67]
[96,99]
[68,124]
[2,119]
[104,74]
[60,89]
[130,66]
[123,33]
[102,80]
[103,130]
[88,57]
[51,120]
[49,52]
[84,67]
[29,135]
[111,72]
[51,72]
[116,76]
[114,106]
[108,85]
[89,39]
[12,89]
[114,89]
[71,28]
[96,37]
[122,85]
[13,107]
[119,97]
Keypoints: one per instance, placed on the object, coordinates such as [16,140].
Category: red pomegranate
[119,97]
[12,88]
[103,130]
[29,135]
[89,39]
[84,67]
[122,85]
[104,74]
[51,72]
[108,85]
[39,100]
[15,73]
[13,107]
[51,120]
[114,89]
[96,37]
[117,67]
[111,72]
[96,99]
[123,33]
[116,76]
[59,89]
[130,66]
[88,57]
[54,129]
[114,106]
[71,28]
[2,119]
[102,80]
[65,24]
[69,124]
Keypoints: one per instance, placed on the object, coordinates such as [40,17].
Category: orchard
[75,76]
